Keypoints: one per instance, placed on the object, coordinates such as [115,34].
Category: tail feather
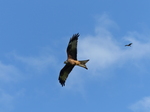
[83,63]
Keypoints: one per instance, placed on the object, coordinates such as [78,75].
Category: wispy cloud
[5,101]
[35,62]
[20,69]
[141,106]
[8,99]
[105,51]
[75,82]
[9,73]
[39,63]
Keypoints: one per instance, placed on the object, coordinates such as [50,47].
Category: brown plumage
[71,60]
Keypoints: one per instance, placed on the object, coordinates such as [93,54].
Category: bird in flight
[71,60]
[129,44]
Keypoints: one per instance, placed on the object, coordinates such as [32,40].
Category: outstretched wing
[130,44]
[64,73]
[72,47]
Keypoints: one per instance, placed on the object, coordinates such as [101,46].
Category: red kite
[71,60]
[129,44]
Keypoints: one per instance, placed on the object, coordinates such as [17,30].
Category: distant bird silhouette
[71,60]
[129,44]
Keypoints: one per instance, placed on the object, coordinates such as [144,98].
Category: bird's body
[71,60]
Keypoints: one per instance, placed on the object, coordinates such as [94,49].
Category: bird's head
[65,62]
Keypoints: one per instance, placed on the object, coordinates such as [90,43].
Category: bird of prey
[129,44]
[71,60]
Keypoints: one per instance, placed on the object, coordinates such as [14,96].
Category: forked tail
[83,63]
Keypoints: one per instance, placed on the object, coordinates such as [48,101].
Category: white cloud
[8,99]
[100,51]
[75,81]
[104,22]
[105,51]
[38,63]
[9,73]
[141,106]
[5,101]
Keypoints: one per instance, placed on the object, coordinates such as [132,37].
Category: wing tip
[61,82]
[74,37]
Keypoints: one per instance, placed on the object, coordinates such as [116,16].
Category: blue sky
[34,36]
